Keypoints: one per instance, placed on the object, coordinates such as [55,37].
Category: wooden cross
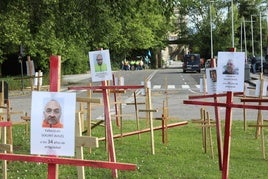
[53,161]
[88,100]
[259,126]
[205,122]
[135,103]
[4,147]
[228,122]
[81,142]
[108,124]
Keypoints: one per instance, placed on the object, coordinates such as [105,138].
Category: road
[168,84]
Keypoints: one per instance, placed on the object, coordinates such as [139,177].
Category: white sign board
[100,65]
[230,71]
[53,123]
[211,76]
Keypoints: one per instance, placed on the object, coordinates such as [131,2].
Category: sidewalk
[255,77]
[66,81]
[73,79]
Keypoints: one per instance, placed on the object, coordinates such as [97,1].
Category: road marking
[156,86]
[171,87]
[185,86]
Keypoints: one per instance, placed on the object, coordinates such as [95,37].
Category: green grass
[182,157]
[15,82]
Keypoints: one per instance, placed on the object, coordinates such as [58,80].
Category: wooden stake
[55,72]
[227,136]
[210,135]
[109,129]
[137,114]
[148,92]
[259,118]
[204,129]
[79,149]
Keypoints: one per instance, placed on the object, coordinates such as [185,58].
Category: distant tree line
[128,28]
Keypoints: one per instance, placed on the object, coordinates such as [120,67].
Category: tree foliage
[72,28]
[198,16]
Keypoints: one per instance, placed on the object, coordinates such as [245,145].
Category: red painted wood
[5,124]
[109,129]
[54,86]
[213,95]
[225,156]
[108,124]
[205,103]
[254,100]
[218,133]
[55,68]
[227,136]
[52,171]
[67,161]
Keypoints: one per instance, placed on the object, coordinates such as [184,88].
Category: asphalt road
[167,85]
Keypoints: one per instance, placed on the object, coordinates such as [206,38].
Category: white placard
[38,78]
[100,65]
[258,88]
[201,83]
[211,75]
[230,71]
[53,138]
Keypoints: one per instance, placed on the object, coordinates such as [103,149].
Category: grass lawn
[182,157]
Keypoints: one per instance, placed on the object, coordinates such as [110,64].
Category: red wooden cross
[53,161]
[228,121]
[108,124]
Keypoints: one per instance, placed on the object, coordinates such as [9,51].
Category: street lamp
[232,23]
[211,35]
[261,7]
[245,37]
[261,43]
[252,41]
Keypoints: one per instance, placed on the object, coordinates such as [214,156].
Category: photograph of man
[213,75]
[229,68]
[100,66]
[52,114]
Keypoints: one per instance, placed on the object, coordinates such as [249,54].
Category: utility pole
[252,39]
[211,34]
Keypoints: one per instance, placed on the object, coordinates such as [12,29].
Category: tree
[71,28]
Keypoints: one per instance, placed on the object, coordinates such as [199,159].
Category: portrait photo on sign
[230,68]
[230,71]
[100,65]
[52,114]
[211,74]
[52,123]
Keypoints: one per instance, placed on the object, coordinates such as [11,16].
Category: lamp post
[232,5]
[241,36]
[252,41]
[211,34]
[261,43]
[245,37]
